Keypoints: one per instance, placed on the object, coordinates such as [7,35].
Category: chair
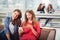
[47,34]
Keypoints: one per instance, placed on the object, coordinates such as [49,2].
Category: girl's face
[49,6]
[29,16]
[42,6]
[15,15]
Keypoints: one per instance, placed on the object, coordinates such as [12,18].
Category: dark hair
[19,11]
[33,17]
[17,21]
[39,7]
[50,7]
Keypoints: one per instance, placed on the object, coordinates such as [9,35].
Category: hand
[29,26]
[20,31]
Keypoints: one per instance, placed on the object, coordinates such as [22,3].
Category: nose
[16,16]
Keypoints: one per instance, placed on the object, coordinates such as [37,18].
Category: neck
[30,21]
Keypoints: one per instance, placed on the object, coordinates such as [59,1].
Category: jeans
[47,20]
[3,36]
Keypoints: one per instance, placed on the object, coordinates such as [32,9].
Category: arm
[6,28]
[8,36]
[37,31]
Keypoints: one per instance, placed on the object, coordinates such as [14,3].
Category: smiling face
[15,14]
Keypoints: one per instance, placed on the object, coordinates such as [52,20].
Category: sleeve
[6,30]
[38,29]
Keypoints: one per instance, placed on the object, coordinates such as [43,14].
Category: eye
[15,13]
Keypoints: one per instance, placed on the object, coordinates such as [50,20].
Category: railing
[47,15]
[55,18]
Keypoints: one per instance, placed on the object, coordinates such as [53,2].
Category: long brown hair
[50,7]
[17,21]
[33,17]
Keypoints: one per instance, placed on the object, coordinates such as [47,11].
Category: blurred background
[7,7]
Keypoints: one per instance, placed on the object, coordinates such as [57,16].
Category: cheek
[29,16]
[15,16]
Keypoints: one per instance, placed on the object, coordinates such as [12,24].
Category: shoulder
[7,17]
[37,23]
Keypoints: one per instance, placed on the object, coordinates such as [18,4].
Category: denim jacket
[6,26]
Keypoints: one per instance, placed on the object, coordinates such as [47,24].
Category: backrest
[47,34]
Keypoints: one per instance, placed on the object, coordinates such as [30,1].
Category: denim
[6,28]
[3,36]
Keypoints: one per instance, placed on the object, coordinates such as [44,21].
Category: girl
[31,28]
[49,10]
[41,8]
[11,25]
